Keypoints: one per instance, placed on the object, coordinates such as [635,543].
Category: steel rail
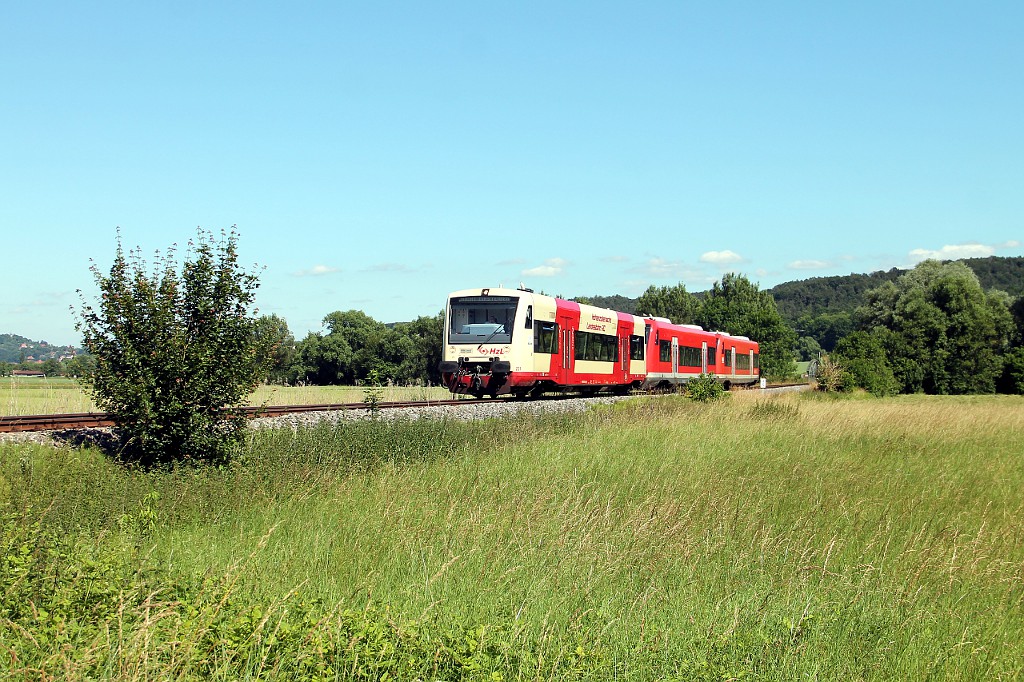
[92,420]
[86,420]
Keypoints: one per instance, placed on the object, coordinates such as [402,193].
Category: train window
[636,348]
[727,358]
[545,337]
[757,361]
[689,356]
[665,351]
[743,361]
[482,319]
[597,347]
[711,355]
[529,317]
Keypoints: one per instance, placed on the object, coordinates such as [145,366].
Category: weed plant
[659,538]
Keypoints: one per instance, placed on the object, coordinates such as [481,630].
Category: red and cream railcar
[500,341]
[739,361]
[677,353]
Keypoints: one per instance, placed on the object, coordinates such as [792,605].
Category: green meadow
[759,538]
[59,395]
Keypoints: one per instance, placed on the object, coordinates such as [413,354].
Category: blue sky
[378,155]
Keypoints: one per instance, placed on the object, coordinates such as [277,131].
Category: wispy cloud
[660,268]
[726,257]
[808,264]
[316,271]
[953,252]
[551,267]
[389,267]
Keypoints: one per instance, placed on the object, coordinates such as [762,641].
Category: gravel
[469,411]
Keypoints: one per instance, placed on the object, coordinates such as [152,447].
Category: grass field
[777,539]
[57,395]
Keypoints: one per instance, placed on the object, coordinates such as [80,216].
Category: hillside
[14,348]
[844,293]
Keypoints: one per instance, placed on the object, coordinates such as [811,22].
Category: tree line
[177,348]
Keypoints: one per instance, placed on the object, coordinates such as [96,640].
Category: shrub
[861,354]
[1012,380]
[704,389]
[175,351]
[832,376]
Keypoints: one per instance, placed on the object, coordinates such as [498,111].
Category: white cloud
[542,271]
[659,268]
[721,257]
[1012,244]
[953,252]
[808,265]
[551,267]
[316,271]
[389,267]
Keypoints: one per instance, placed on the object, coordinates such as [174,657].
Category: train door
[568,326]
[622,372]
[675,360]
[704,358]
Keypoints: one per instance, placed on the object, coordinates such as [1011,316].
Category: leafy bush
[832,376]
[1012,380]
[175,351]
[861,354]
[704,389]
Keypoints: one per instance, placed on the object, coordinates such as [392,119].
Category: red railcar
[512,341]
[499,341]
[677,353]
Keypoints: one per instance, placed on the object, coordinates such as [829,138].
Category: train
[499,341]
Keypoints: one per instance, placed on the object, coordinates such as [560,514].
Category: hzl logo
[491,351]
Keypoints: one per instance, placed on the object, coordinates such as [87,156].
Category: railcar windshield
[482,319]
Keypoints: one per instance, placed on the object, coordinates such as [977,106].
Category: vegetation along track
[92,420]
[88,420]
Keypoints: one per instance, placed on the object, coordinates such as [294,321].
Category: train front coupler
[476,378]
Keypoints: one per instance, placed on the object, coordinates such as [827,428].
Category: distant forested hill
[840,293]
[14,348]
[845,292]
[622,304]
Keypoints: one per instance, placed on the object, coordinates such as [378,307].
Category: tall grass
[659,539]
[58,395]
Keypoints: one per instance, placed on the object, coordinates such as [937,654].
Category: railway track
[93,420]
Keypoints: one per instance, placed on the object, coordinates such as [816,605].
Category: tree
[941,332]
[674,303]
[736,305]
[79,366]
[425,337]
[51,367]
[176,352]
[862,355]
[826,328]
[808,348]
[274,334]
